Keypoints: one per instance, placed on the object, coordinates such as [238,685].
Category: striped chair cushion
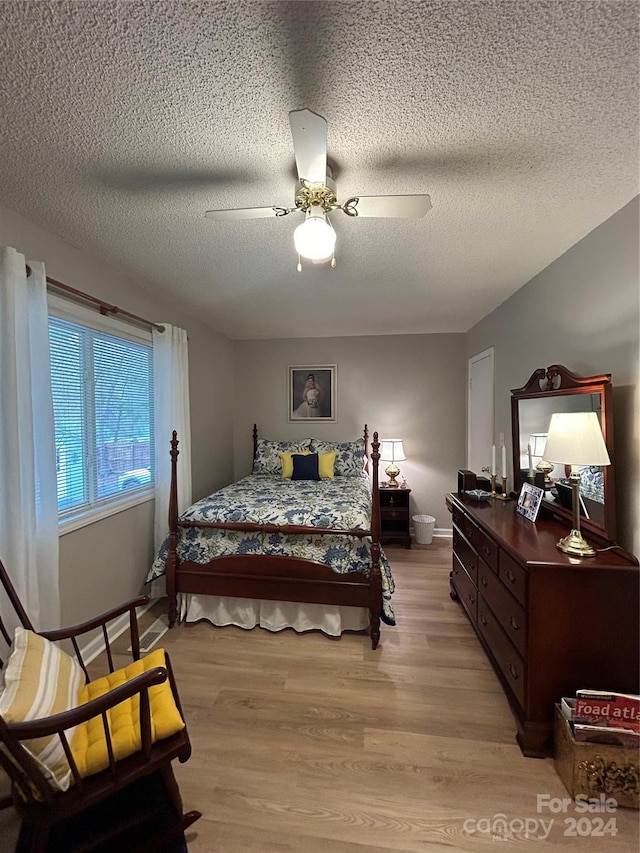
[41,679]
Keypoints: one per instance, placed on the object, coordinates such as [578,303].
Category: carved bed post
[255,444]
[172,555]
[375,588]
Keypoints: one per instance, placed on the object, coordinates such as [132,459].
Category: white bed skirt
[272,615]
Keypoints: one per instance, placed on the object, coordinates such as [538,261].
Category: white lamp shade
[575,438]
[537,440]
[391,450]
[315,239]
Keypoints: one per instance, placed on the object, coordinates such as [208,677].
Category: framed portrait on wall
[312,393]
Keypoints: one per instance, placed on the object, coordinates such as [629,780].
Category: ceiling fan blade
[395,206]
[246,213]
[309,133]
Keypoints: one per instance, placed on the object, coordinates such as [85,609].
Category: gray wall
[106,562]
[404,386]
[581,311]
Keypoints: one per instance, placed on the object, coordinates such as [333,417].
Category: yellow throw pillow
[287,461]
[41,679]
[89,747]
[326,462]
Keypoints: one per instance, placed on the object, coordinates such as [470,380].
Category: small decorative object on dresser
[394,515]
[529,501]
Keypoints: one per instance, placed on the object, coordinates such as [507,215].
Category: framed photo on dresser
[529,501]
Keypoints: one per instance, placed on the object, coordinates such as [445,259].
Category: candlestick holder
[493,486]
[504,496]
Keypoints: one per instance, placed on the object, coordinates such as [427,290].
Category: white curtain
[28,491]
[171,411]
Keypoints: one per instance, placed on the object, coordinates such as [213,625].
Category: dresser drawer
[485,547]
[467,527]
[503,651]
[513,576]
[510,614]
[465,553]
[465,588]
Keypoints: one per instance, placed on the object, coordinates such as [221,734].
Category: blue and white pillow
[268,461]
[350,459]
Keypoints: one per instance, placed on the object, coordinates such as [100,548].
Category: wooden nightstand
[394,515]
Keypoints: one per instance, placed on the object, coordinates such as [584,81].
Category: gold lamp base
[575,545]
[546,468]
[392,472]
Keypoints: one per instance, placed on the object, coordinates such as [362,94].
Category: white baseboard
[443,532]
[438,533]
[115,628]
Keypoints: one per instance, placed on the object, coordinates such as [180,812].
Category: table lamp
[575,438]
[537,440]
[392,451]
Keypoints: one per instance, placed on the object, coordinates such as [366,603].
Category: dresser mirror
[556,389]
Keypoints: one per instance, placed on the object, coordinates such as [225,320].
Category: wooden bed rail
[270,527]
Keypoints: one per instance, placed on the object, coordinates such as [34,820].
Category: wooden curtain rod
[104,307]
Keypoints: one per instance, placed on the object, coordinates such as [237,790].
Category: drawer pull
[483,619]
[509,576]
[472,598]
[484,581]
[513,672]
[486,550]
[514,624]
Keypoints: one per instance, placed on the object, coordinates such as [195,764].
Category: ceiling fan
[316,196]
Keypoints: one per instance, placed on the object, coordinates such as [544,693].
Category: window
[102,384]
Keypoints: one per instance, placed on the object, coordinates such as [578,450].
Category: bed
[287,544]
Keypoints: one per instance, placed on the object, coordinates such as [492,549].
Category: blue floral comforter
[341,502]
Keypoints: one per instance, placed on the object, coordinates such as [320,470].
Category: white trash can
[423,525]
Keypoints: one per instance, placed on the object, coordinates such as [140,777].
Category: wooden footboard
[264,576]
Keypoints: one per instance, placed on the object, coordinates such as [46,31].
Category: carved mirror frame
[549,385]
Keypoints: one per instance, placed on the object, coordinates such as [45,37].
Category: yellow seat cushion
[89,747]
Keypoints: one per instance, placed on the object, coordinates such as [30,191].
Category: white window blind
[103,407]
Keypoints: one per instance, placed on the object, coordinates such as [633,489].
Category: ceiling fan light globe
[315,239]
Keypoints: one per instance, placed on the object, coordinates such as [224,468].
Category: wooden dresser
[550,624]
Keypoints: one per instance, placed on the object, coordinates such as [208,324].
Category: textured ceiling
[122,122]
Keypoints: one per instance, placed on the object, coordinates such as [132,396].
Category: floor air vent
[153,633]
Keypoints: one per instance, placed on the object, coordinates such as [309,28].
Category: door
[480,411]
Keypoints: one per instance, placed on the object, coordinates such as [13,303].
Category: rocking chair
[115,764]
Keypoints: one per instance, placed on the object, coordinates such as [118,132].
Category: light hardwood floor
[304,743]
